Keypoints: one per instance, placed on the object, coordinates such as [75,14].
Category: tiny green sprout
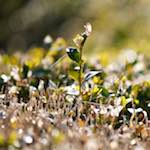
[76,54]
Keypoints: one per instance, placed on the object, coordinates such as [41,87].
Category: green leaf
[74,74]
[25,71]
[123,101]
[40,72]
[105,92]
[73,54]
[1,82]
[91,74]
[136,101]
[24,94]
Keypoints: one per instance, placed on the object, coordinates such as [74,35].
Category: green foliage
[74,54]
[105,92]
[46,101]
[91,74]
[74,74]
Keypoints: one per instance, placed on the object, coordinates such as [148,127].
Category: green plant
[76,54]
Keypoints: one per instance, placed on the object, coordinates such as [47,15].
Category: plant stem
[81,65]
[80,74]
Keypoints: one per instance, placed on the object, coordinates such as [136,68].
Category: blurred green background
[116,24]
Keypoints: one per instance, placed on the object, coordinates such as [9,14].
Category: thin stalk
[81,64]
[58,61]
[80,73]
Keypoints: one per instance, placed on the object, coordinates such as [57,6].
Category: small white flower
[13,90]
[15,73]
[48,39]
[71,90]
[2,96]
[88,29]
[28,139]
[41,85]
[5,78]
